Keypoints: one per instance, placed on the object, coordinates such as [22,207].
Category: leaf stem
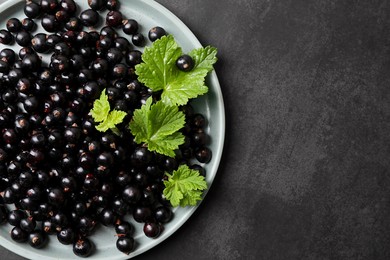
[116,131]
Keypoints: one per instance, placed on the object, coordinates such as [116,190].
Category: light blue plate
[149,14]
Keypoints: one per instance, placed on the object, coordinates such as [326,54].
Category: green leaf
[101,108]
[114,117]
[166,144]
[184,187]
[158,71]
[191,198]
[184,86]
[103,126]
[158,126]
[158,63]
[204,58]
[140,121]
[166,120]
[101,113]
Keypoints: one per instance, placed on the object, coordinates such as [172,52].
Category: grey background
[305,170]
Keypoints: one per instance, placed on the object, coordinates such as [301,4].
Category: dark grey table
[305,172]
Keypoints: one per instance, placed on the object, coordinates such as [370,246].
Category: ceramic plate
[148,13]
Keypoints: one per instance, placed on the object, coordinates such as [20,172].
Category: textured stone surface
[305,172]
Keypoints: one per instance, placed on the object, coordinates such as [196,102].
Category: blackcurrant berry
[152,229]
[19,235]
[107,217]
[138,39]
[37,239]
[13,25]
[23,38]
[5,37]
[125,244]
[133,58]
[73,24]
[38,42]
[83,247]
[130,26]
[185,63]
[89,17]
[69,6]
[32,10]
[156,33]
[163,214]
[28,224]
[112,5]
[66,236]
[142,214]
[131,194]
[15,216]
[48,6]
[203,155]
[49,23]
[28,24]
[97,4]
[114,18]
[31,62]
[124,228]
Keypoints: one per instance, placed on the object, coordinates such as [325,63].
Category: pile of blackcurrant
[59,175]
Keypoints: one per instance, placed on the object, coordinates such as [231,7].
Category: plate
[148,13]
